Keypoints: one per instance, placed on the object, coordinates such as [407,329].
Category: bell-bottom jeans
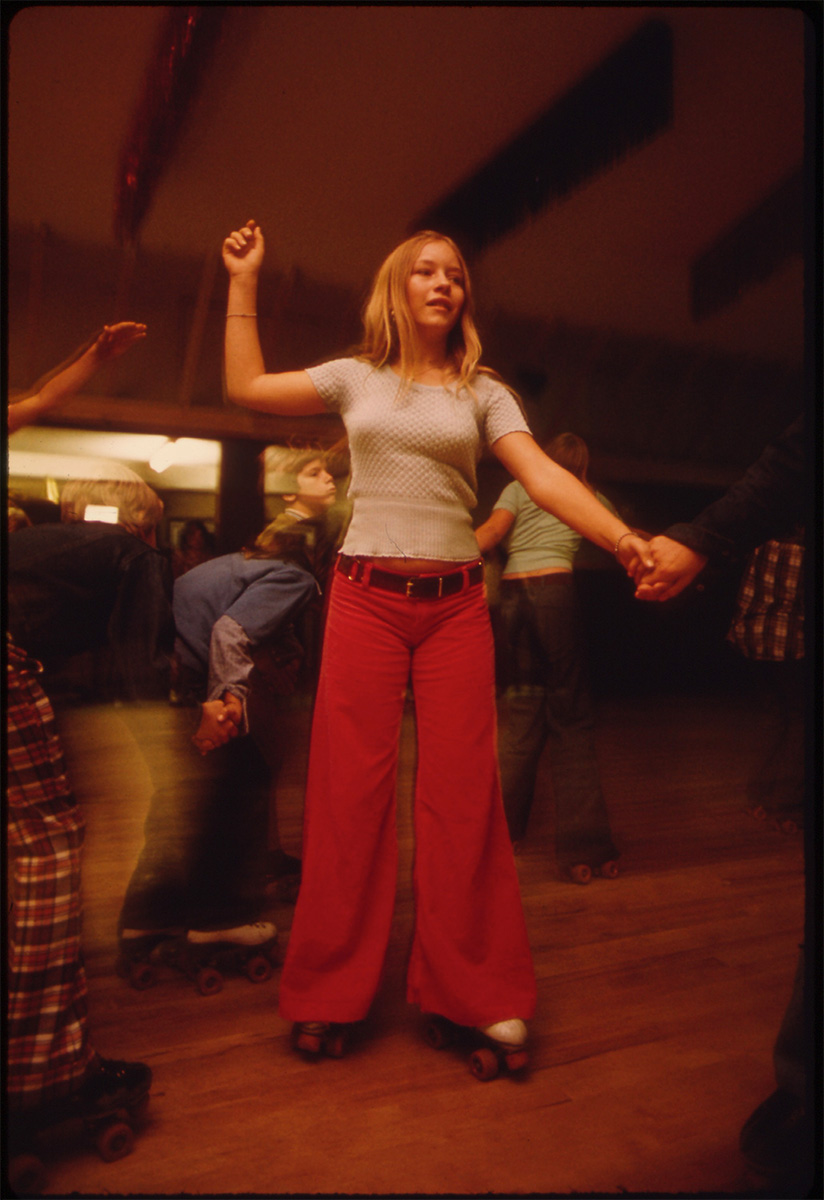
[470,958]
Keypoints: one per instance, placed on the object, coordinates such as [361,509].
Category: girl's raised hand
[243,250]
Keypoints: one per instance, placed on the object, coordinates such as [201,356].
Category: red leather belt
[413,587]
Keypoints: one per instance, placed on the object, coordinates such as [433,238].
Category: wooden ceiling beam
[114,414]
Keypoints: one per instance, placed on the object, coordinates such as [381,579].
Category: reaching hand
[116,339]
[243,250]
[675,567]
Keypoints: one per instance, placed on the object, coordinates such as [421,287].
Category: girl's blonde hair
[388,329]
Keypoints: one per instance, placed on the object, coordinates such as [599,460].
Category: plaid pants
[48,1047]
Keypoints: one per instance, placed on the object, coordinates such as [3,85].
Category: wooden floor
[660,997]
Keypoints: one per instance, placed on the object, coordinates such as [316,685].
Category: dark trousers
[203,859]
[548,702]
[777,781]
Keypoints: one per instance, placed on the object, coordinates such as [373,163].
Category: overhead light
[184,451]
[164,456]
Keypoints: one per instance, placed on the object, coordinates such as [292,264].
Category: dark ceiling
[645,162]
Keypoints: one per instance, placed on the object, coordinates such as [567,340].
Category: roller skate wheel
[788,826]
[209,981]
[759,813]
[483,1064]
[309,1041]
[258,969]
[27,1175]
[273,954]
[334,1045]
[438,1034]
[517,1060]
[142,976]
[139,975]
[115,1141]
[580,873]
[608,870]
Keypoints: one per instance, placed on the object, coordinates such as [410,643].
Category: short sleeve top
[537,540]
[414,451]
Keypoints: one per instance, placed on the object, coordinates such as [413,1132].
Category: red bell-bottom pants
[470,958]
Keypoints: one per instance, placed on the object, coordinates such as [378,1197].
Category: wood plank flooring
[661,994]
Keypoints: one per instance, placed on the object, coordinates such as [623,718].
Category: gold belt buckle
[410,584]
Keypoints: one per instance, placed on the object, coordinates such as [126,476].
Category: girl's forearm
[244,357]
[59,388]
[571,502]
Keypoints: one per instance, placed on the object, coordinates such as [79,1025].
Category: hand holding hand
[634,555]
[675,567]
[218,724]
[243,250]
[116,339]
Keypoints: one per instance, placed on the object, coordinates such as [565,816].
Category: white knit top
[414,451]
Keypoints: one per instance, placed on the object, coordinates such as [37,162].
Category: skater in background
[196,546]
[66,380]
[201,875]
[768,502]
[89,615]
[548,698]
[768,630]
[407,602]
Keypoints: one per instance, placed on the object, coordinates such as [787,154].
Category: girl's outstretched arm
[560,493]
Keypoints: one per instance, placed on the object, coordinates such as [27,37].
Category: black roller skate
[204,956]
[102,1112]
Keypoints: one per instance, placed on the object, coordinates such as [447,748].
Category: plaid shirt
[769,619]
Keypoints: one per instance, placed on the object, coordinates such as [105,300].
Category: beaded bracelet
[621,538]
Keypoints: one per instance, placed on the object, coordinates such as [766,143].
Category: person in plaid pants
[49,1052]
[80,586]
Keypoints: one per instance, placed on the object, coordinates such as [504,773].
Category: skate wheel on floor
[517,1060]
[27,1175]
[580,873]
[258,969]
[209,981]
[608,870]
[335,1045]
[142,976]
[759,812]
[115,1141]
[438,1034]
[483,1064]
[139,975]
[787,826]
[308,1043]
